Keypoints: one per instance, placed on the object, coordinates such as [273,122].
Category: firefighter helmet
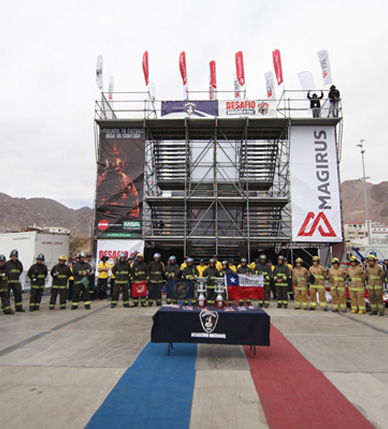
[40,257]
[189,260]
[372,258]
[212,261]
[263,256]
[2,258]
[244,260]
[224,262]
[139,255]
[157,255]
[335,261]
[14,252]
[62,258]
[316,258]
[300,260]
[123,255]
[280,258]
[172,258]
[353,259]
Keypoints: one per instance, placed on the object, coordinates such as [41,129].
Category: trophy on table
[201,292]
[220,291]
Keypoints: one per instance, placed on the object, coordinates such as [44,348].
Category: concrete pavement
[57,367]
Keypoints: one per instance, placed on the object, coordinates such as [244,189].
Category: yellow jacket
[104,267]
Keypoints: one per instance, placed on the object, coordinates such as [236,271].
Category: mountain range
[19,213]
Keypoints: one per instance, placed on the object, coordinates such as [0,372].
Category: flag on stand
[269,85]
[139,289]
[180,289]
[183,70]
[240,68]
[277,64]
[212,81]
[242,286]
[111,88]
[145,68]
[99,78]
[324,61]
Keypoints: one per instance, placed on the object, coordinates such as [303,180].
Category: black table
[212,326]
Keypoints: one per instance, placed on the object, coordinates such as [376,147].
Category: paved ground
[57,367]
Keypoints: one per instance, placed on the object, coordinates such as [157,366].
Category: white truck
[30,244]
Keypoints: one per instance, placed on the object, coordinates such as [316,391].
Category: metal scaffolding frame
[216,186]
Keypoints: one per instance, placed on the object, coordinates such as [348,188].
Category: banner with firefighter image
[120,178]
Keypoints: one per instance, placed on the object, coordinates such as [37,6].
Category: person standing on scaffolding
[334,97]
[315,104]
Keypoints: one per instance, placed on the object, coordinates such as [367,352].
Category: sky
[48,60]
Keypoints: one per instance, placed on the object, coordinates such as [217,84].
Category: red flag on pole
[277,63]
[213,80]
[182,67]
[240,68]
[145,68]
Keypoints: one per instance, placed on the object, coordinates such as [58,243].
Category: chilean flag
[243,286]
[139,289]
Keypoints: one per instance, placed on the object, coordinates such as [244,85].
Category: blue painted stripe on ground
[155,392]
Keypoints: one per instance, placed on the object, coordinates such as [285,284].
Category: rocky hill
[354,206]
[18,213]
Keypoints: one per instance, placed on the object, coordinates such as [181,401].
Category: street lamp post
[361,145]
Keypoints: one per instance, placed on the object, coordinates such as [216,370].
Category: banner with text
[119,194]
[315,192]
[221,109]
[113,248]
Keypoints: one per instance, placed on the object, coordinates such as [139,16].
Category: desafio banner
[315,191]
[119,194]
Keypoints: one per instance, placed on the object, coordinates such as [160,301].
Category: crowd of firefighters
[75,281]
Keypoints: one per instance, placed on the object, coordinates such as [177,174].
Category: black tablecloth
[240,327]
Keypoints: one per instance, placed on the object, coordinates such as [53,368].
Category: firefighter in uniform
[155,280]
[218,263]
[122,272]
[375,277]
[280,275]
[356,286]
[4,291]
[337,278]
[317,279]
[60,274]
[37,274]
[232,266]
[263,268]
[244,269]
[226,270]
[139,274]
[184,263]
[189,272]
[300,277]
[81,271]
[202,267]
[172,272]
[211,273]
[15,269]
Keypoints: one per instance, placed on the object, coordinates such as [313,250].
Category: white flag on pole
[324,61]
[99,77]
[306,81]
[111,88]
[269,85]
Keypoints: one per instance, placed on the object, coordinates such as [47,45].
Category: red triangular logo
[319,220]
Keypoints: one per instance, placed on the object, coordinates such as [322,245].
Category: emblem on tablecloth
[208,320]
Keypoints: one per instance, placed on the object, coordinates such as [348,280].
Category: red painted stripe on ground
[294,394]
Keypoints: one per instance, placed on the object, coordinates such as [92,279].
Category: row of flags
[305,78]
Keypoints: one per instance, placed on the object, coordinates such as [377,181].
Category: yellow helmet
[62,258]
[316,258]
[353,259]
[372,258]
[335,261]
[299,260]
